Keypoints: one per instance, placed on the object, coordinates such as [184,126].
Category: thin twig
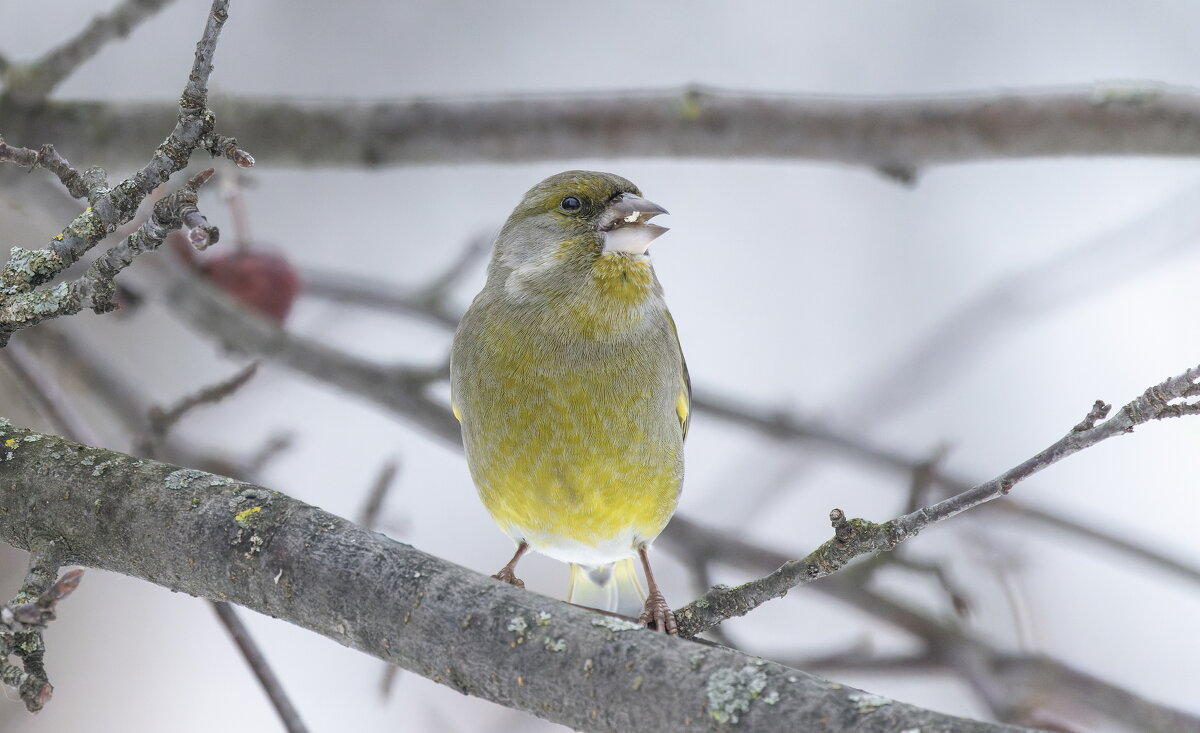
[958,598]
[428,301]
[23,619]
[401,389]
[859,537]
[858,659]
[440,286]
[272,448]
[261,668]
[163,419]
[47,395]
[790,427]
[368,518]
[379,491]
[949,645]
[371,293]
[50,159]
[922,479]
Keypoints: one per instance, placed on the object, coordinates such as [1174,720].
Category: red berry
[263,281]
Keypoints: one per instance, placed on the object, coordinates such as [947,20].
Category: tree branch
[50,159]
[1014,685]
[790,427]
[288,715]
[227,540]
[45,393]
[21,305]
[23,619]
[1032,675]
[398,388]
[162,420]
[856,537]
[898,136]
[33,82]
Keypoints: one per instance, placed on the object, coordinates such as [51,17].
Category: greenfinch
[573,396]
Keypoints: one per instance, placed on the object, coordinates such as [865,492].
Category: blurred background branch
[899,137]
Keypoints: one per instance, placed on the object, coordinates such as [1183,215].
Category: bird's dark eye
[570,203]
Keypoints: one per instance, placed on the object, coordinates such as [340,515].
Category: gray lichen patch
[616,624]
[868,703]
[102,467]
[518,625]
[555,645]
[182,478]
[730,692]
[27,268]
[541,618]
[39,304]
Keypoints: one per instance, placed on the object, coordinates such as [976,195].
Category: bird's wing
[683,401]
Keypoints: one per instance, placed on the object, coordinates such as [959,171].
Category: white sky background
[794,285]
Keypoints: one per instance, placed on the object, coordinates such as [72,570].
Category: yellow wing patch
[683,406]
[454,409]
[683,400]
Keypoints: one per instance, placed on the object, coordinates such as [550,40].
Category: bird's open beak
[625,224]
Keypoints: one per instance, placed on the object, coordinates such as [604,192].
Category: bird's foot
[507,575]
[658,614]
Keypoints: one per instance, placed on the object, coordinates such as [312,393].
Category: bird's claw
[506,575]
[658,614]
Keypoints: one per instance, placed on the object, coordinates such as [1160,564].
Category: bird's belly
[581,474]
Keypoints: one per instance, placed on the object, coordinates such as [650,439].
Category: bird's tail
[613,587]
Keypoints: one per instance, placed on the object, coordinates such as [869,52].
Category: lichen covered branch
[22,304]
[23,619]
[50,159]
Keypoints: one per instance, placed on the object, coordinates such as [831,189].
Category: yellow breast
[570,418]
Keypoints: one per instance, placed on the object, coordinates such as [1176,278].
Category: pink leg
[657,611]
[507,573]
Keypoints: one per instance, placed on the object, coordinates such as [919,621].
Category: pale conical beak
[625,224]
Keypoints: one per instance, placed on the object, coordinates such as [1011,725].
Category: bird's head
[568,222]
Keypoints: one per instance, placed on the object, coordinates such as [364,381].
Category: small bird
[572,392]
